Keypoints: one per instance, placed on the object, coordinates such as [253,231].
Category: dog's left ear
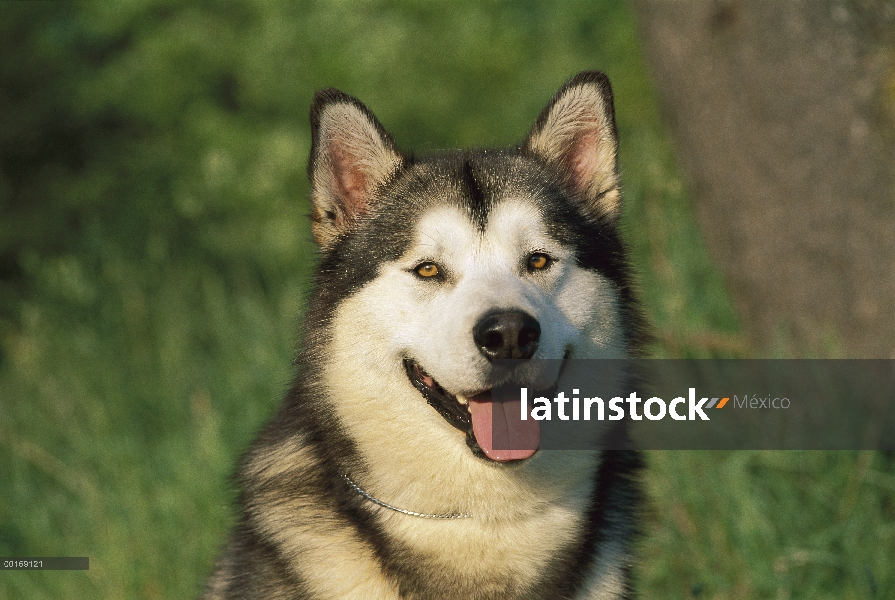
[576,135]
[352,156]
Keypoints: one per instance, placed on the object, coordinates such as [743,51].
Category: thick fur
[555,525]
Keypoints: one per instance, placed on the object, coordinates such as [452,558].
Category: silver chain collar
[367,496]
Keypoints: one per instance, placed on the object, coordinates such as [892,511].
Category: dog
[377,478]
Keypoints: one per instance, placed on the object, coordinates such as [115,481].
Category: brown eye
[427,269]
[538,261]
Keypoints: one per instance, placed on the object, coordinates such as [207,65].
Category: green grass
[142,348]
[754,524]
[122,430]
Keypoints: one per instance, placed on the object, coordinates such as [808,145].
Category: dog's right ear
[351,157]
[576,134]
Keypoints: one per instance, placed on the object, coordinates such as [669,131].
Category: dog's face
[438,267]
[465,296]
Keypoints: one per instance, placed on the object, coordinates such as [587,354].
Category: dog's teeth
[462,400]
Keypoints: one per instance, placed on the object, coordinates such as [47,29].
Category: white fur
[522,513]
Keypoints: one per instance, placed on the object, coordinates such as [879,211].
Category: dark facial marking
[477,207]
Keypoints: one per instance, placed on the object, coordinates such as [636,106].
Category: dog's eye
[538,261]
[427,270]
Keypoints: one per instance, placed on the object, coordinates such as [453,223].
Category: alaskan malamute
[378,478]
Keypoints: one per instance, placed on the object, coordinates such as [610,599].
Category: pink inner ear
[583,159]
[351,181]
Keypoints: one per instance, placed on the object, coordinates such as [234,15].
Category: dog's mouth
[483,420]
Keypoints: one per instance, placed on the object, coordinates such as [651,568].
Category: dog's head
[432,268]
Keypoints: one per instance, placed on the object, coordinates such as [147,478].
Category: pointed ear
[576,135]
[351,157]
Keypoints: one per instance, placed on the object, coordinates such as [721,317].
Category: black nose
[507,334]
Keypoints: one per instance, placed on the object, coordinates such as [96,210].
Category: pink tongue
[500,424]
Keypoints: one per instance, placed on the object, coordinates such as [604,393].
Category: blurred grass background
[155,253]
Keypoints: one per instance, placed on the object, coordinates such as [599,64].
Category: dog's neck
[403,511]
